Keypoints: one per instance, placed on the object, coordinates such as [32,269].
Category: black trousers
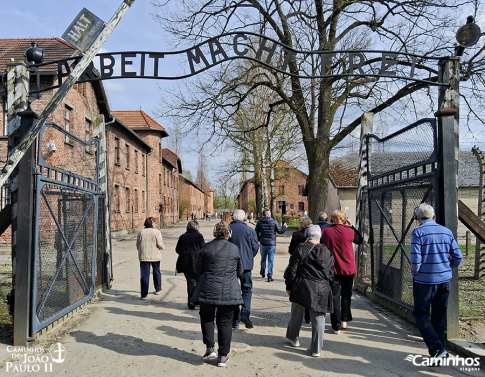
[223,315]
[193,278]
[342,294]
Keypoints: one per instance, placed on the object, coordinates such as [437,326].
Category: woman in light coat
[149,243]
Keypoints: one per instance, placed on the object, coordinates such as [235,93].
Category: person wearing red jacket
[340,237]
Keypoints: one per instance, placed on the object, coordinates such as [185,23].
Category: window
[164,176]
[67,121]
[117,151]
[136,200]
[143,167]
[301,206]
[89,135]
[136,161]
[160,183]
[282,190]
[127,156]
[5,195]
[117,198]
[160,152]
[292,206]
[143,200]
[301,189]
[128,201]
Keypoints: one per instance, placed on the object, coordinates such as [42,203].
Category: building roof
[138,120]
[130,132]
[172,158]
[189,182]
[344,170]
[55,49]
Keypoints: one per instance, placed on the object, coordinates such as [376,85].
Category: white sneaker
[336,332]
[344,325]
[315,354]
[294,343]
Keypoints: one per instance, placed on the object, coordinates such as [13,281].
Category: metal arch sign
[265,51]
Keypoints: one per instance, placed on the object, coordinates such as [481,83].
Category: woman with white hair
[307,280]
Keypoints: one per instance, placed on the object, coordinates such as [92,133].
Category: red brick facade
[194,195]
[81,105]
[289,188]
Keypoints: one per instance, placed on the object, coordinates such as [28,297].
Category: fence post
[448,145]
[367,126]
[479,247]
[468,242]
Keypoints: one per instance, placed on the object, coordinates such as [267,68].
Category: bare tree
[202,178]
[327,110]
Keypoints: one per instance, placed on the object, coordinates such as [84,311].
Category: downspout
[109,196]
[148,187]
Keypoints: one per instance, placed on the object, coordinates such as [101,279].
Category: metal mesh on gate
[401,174]
[65,252]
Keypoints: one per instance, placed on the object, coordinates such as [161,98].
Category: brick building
[127,156]
[75,113]
[161,189]
[194,196]
[289,189]
[172,168]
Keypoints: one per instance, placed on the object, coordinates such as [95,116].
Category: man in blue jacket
[266,229]
[322,220]
[434,254]
[245,238]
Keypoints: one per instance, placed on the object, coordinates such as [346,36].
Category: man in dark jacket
[245,238]
[266,229]
[322,220]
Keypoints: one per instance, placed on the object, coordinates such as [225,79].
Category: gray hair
[239,214]
[313,232]
[424,211]
[266,212]
[192,225]
[304,222]
[322,216]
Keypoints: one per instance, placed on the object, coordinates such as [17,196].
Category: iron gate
[402,172]
[66,220]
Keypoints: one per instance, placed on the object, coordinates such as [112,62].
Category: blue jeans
[145,277]
[247,294]
[432,327]
[268,251]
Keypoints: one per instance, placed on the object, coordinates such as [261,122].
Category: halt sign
[84,30]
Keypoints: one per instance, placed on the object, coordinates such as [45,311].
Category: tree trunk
[318,164]
[264,187]
[257,190]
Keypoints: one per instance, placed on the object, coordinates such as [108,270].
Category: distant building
[344,175]
[289,189]
[194,197]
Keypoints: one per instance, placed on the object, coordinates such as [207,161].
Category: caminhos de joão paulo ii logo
[35,359]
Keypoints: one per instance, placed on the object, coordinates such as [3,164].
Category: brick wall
[126,179]
[289,185]
[169,193]
[194,195]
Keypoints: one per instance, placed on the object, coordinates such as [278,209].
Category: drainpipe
[148,187]
[173,196]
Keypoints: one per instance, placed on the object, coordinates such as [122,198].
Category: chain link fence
[401,174]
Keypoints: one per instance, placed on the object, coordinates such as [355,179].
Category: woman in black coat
[307,280]
[188,248]
[220,265]
[297,238]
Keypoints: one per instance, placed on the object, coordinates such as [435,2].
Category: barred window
[301,206]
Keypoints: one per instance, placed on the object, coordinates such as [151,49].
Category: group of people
[318,278]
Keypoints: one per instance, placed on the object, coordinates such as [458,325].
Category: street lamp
[467,35]
[35,55]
